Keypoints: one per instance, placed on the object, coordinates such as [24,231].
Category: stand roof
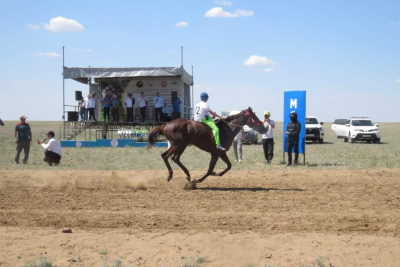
[84,74]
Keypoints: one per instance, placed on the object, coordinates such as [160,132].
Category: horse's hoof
[188,178]
[190,185]
[169,178]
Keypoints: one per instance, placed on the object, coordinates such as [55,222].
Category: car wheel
[320,141]
[377,141]
[345,140]
[255,142]
[351,140]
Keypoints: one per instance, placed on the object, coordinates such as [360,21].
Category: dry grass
[333,154]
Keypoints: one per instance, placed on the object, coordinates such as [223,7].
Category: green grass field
[334,153]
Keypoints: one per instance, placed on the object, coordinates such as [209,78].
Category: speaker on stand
[174,96]
[78,95]
[72,116]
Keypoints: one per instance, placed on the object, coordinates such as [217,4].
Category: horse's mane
[233,117]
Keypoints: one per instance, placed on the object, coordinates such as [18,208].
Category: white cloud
[182,24]
[268,69]
[61,24]
[223,2]
[258,60]
[82,50]
[33,27]
[398,81]
[48,54]
[218,12]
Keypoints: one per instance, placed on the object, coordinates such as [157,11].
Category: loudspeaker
[174,96]
[78,95]
[72,115]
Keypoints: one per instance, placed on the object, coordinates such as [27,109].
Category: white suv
[358,129]
[314,130]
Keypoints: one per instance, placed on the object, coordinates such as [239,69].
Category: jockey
[201,114]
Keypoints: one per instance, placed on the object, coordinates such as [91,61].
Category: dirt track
[303,213]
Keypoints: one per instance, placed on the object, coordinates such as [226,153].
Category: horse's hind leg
[214,159]
[176,158]
[165,157]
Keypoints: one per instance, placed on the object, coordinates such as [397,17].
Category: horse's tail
[153,135]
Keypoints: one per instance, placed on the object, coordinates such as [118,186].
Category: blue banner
[295,101]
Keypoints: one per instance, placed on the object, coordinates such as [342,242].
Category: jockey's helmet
[204,96]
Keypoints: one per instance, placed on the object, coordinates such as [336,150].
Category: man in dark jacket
[293,133]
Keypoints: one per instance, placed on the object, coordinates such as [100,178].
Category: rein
[250,118]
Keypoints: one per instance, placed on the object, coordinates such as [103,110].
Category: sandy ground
[276,217]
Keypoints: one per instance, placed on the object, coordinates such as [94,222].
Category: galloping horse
[181,132]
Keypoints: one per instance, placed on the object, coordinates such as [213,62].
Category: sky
[345,54]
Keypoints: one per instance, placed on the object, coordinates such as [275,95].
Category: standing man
[293,133]
[158,105]
[129,102]
[86,107]
[81,108]
[106,107]
[52,150]
[268,137]
[143,102]
[237,146]
[176,108]
[92,106]
[115,108]
[23,138]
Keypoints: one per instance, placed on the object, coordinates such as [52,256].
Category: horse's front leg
[214,159]
[225,158]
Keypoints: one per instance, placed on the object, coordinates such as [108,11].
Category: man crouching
[52,150]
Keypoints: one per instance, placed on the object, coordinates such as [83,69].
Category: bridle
[251,118]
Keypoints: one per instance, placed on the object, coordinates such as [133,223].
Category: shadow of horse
[252,189]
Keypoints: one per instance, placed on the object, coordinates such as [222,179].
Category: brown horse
[181,132]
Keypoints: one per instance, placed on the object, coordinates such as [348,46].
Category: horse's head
[254,122]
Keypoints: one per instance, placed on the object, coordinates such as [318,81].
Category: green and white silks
[210,123]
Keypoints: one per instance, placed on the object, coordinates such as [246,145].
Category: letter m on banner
[295,101]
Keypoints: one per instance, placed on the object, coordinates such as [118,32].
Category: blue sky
[344,53]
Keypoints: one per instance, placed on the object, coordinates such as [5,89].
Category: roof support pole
[182,55]
[192,93]
[63,116]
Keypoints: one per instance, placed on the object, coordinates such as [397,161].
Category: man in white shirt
[143,102]
[92,106]
[52,150]
[86,107]
[268,138]
[129,102]
[158,105]
[202,114]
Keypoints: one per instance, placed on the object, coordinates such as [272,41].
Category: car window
[311,121]
[341,121]
[361,123]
